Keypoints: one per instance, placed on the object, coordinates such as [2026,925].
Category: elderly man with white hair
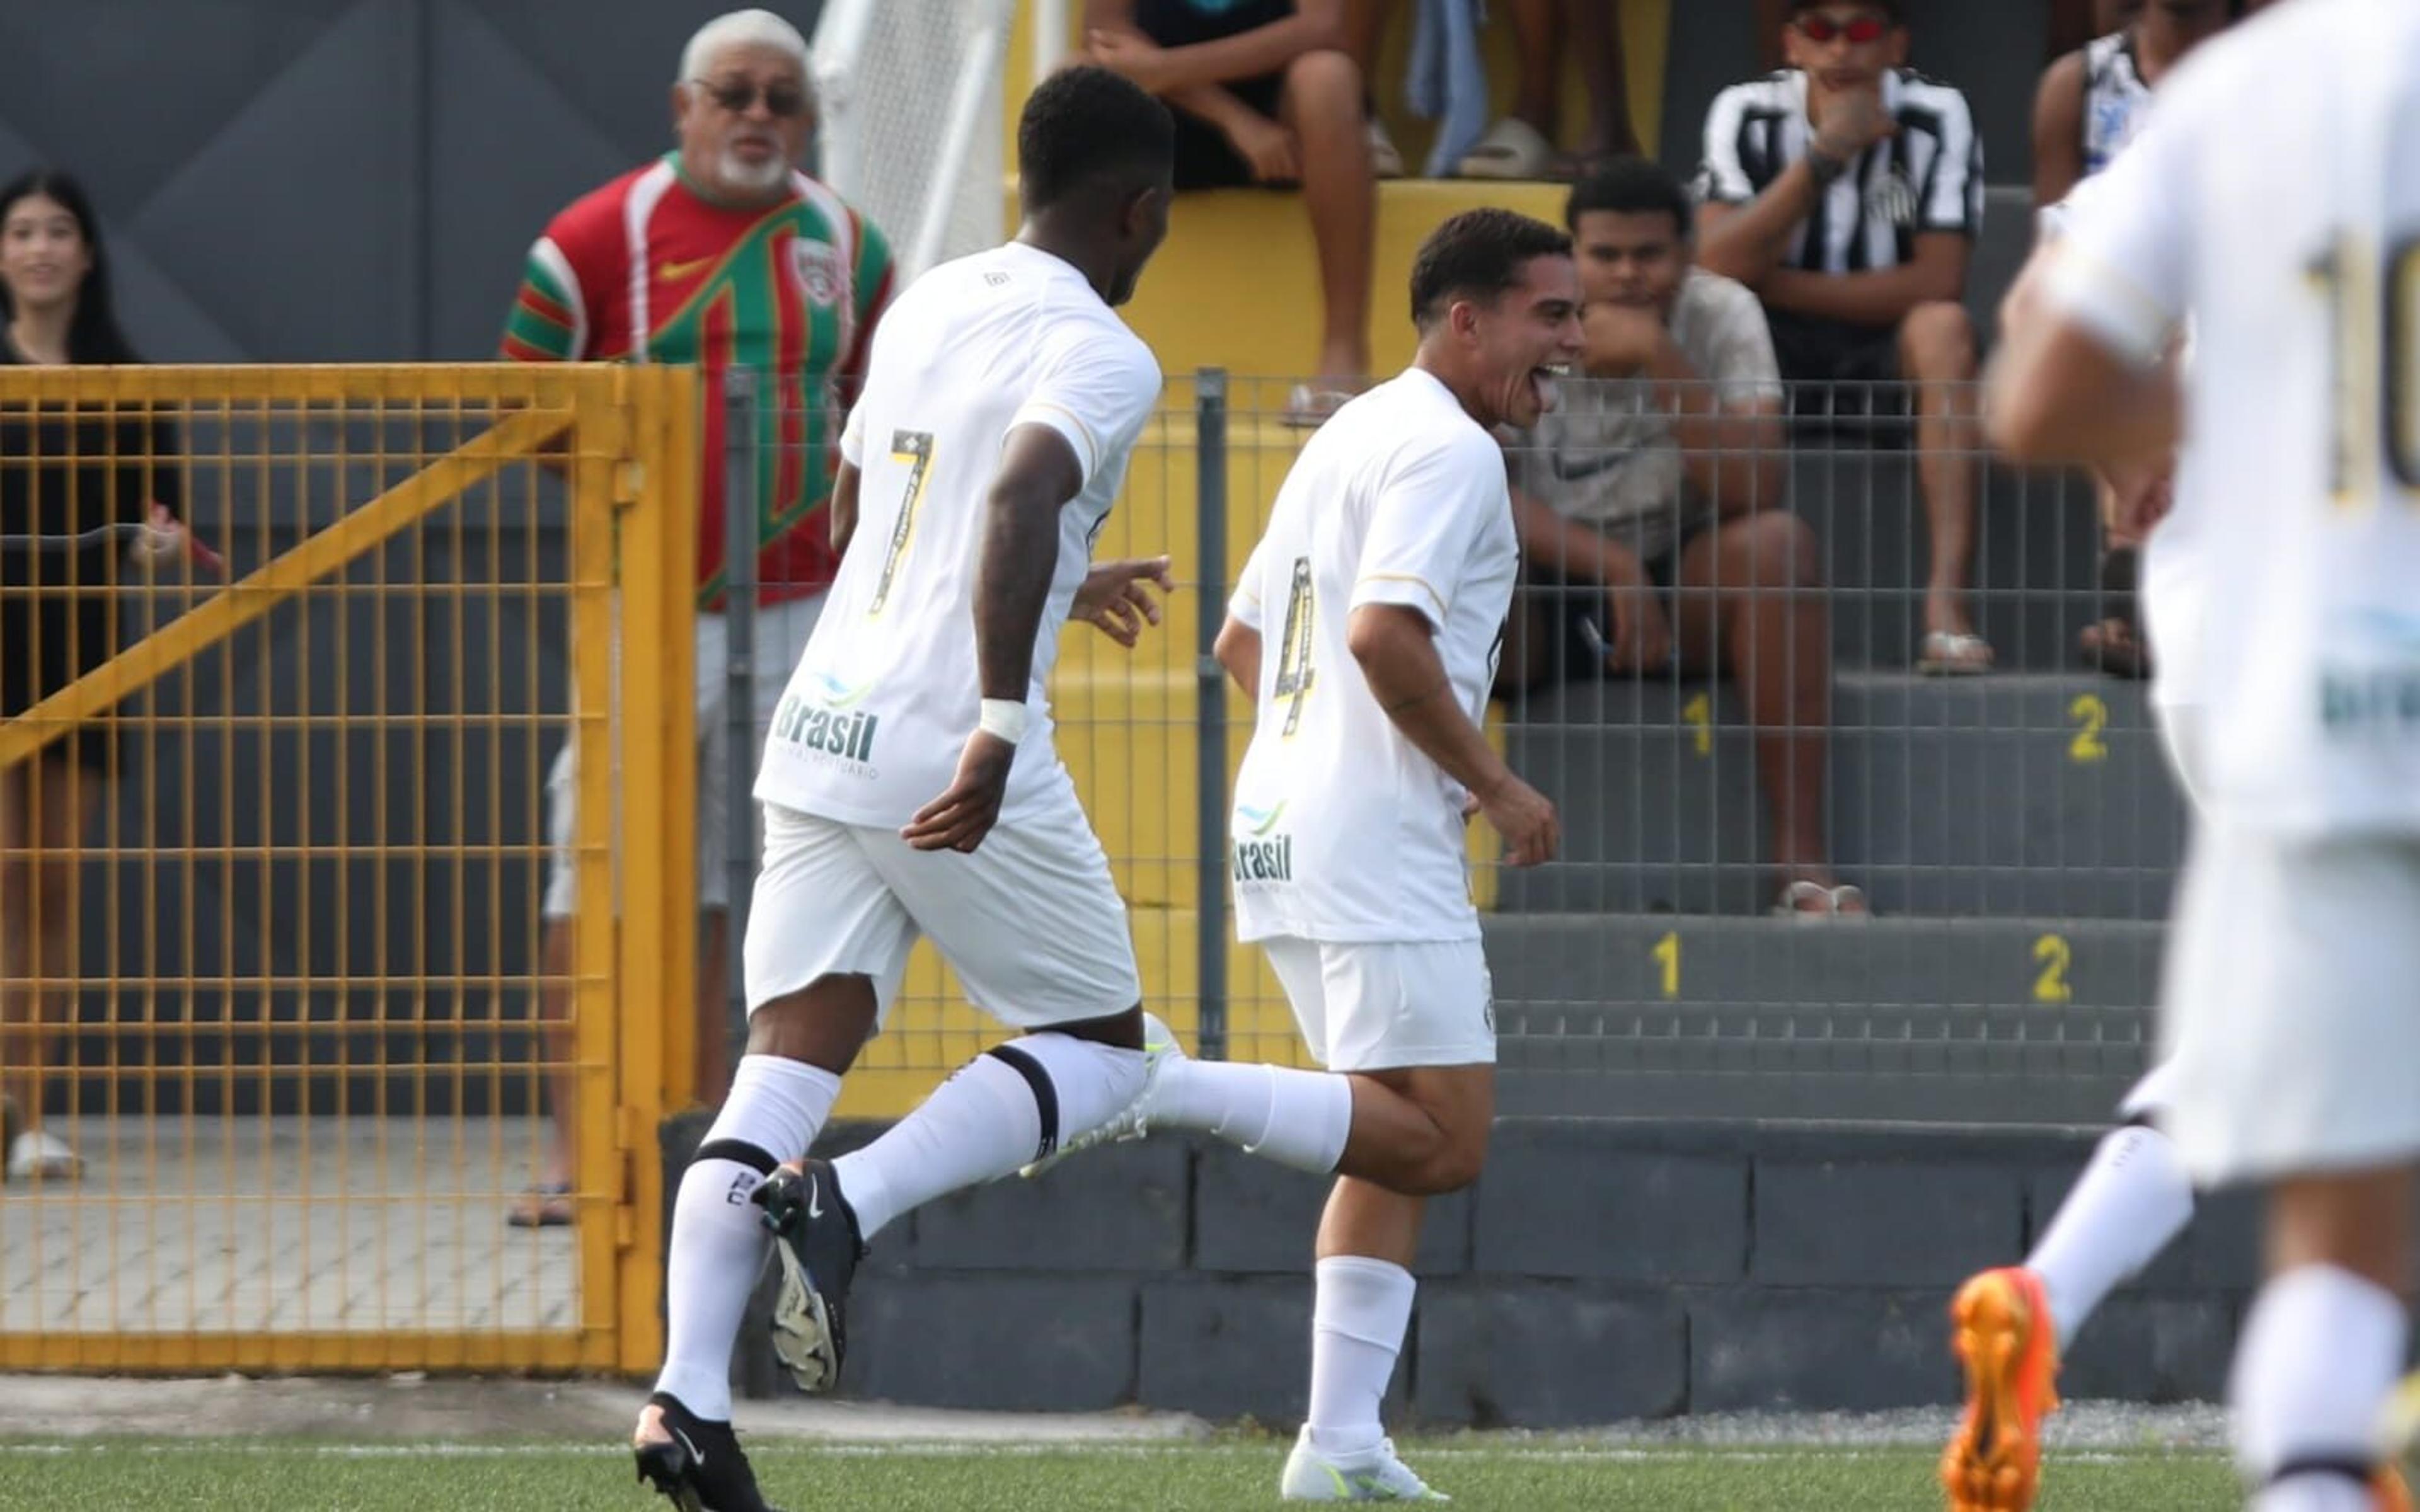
[724,253]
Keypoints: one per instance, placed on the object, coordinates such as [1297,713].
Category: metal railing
[272,970]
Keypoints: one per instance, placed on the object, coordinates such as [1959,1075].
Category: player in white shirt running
[2292,1002]
[1001,401]
[2011,1325]
[1366,628]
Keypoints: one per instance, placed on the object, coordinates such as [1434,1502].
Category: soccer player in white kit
[1001,402]
[1366,628]
[2292,1004]
[2011,1325]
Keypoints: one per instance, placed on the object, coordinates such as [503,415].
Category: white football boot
[1373,1475]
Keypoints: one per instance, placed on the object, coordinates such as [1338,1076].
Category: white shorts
[1386,1006]
[782,632]
[1032,922]
[2290,1011]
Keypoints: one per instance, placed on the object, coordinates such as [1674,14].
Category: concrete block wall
[1600,1271]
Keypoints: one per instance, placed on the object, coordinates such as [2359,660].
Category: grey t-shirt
[1606,453]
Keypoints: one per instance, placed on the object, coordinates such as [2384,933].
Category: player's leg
[1936,349]
[1380,1013]
[2324,1341]
[826,946]
[1033,926]
[1751,596]
[1321,103]
[2286,1020]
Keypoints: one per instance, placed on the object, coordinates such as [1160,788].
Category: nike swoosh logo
[814,1198]
[673,273]
[694,1452]
[1567,470]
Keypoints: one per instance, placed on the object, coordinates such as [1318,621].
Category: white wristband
[1004,718]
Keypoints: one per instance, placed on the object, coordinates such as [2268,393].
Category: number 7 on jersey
[915,448]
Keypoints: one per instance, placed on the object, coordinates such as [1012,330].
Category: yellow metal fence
[271,857]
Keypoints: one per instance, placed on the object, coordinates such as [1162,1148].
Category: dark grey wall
[334,180]
[1599,1270]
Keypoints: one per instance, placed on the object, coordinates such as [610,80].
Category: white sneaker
[1133,1121]
[1374,1476]
[39,1155]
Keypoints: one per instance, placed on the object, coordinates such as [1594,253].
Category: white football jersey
[887,691]
[2291,232]
[1341,829]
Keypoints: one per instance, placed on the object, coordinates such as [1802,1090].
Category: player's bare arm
[843,507]
[2056,395]
[2058,125]
[1038,473]
[1396,648]
[1238,649]
[1882,297]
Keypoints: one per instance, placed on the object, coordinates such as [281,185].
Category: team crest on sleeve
[818,267]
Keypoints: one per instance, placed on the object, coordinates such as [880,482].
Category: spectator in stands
[2071,23]
[1662,471]
[60,478]
[1265,92]
[1522,144]
[724,253]
[1847,191]
[2091,104]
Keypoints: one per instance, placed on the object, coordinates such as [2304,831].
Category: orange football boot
[2000,1326]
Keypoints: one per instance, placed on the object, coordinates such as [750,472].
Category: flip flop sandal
[1953,653]
[1512,149]
[544,1205]
[1307,408]
[1831,903]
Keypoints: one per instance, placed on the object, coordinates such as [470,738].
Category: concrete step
[2013,1019]
[2005,795]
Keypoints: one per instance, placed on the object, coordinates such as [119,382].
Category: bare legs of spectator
[549,1201]
[47,806]
[1936,345]
[1751,604]
[1322,106]
[1596,36]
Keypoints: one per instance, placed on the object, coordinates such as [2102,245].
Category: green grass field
[1482,1475]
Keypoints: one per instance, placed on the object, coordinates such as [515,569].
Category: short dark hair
[1896,12]
[1632,186]
[1086,125]
[1477,254]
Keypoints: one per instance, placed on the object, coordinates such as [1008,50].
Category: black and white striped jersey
[1928,177]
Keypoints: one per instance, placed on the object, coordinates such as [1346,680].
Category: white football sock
[2131,1201]
[2318,1355]
[1294,1118]
[718,1246]
[1357,1319]
[1000,1110]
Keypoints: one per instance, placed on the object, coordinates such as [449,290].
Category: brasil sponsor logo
[1260,855]
[828,726]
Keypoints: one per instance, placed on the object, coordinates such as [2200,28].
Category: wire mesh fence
[1849,828]
[274,1022]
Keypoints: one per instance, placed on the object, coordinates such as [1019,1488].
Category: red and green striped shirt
[648,270]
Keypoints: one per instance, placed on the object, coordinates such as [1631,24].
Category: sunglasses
[738,95]
[1818,27]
